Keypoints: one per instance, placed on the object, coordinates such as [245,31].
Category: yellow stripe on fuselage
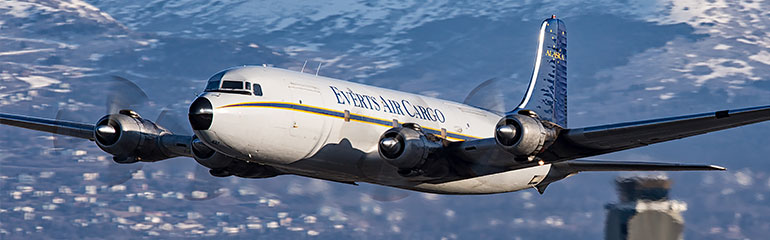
[336,111]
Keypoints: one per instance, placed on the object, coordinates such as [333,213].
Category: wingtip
[717,168]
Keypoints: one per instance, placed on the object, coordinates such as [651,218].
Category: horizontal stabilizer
[594,166]
[73,129]
[563,170]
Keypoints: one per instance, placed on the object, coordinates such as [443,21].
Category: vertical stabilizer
[547,91]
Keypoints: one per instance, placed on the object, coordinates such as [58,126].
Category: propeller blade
[384,193]
[117,174]
[60,140]
[174,121]
[203,186]
[387,194]
[488,95]
[124,94]
[121,94]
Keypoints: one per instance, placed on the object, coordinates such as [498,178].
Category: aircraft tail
[547,91]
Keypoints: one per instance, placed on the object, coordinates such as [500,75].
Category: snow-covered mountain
[681,46]
[627,61]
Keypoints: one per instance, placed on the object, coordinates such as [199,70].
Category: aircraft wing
[590,141]
[598,166]
[561,170]
[74,129]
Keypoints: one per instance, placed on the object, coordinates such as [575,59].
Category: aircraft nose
[201,114]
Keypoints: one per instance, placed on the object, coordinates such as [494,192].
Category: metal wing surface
[590,141]
[73,129]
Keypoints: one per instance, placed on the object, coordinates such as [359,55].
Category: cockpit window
[217,76]
[214,81]
[257,90]
[232,85]
[212,86]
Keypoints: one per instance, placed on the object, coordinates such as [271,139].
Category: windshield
[220,83]
[232,85]
[214,81]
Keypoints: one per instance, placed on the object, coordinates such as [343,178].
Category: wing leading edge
[74,129]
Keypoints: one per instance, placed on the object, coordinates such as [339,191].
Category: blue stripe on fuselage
[338,114]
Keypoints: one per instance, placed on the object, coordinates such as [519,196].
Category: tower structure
[644,211]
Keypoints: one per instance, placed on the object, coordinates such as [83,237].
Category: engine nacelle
[223,166]
[523,136]
[407,147]
[129,138]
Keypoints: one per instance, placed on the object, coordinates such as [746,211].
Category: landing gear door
[308,128]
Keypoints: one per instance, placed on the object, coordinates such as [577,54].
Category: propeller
[202,186]
[124,94]
[121,94]
[387,194]
[61,141]
[488,95]
[392,146]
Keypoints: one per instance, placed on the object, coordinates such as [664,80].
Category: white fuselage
[329,129]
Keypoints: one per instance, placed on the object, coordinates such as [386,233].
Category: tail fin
[547,92]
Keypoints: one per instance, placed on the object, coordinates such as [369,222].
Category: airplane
[261,122]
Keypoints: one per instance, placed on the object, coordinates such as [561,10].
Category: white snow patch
[719,70]
[95,56]
[666,96]
[763,57]
[695,12]
[20,52]
[20,9]
[746,41]
[38,81]
[43,41]
[722,47]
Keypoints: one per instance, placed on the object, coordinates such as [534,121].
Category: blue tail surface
[547,91]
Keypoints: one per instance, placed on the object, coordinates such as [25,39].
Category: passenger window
[248,86]
[257,90]
[232,85]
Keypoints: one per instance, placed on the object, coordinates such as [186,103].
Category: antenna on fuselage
[303,66]
[319,68]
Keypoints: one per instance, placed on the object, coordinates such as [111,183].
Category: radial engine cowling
[223,166]
[407,147]
[129,138]
[523,136]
